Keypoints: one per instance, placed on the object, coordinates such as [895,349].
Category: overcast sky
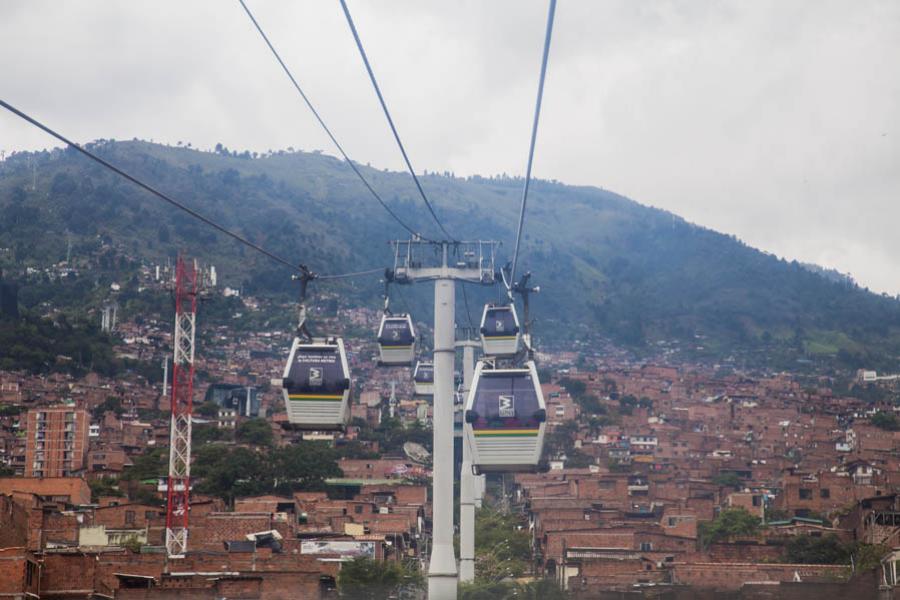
[777,121]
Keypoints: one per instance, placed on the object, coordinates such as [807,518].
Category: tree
[541,589]
[111,404]
[228,473]
[731,523]
[575,387]
[579,460]
[805,549]
[105,486]
[886,421]
[727,479]
[502,545]
[203,434]
[210,410]
[149,465]
[256,432]
[304,466]
[364,578]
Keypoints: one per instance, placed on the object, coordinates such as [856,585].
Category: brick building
[56,442]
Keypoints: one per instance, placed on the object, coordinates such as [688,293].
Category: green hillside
[608,267]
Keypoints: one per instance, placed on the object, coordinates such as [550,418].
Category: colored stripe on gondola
[320,397]
[397,347]
[500,337]
[506,432]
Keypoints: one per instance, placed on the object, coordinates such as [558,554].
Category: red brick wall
[59,528]
[14,564]
[731,576]
[116,517]
[67,573]
[13,523]
[744,553]
[212,530]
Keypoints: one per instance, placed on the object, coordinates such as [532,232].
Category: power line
[147,187]
[348,275]
[171,200]
[387,114]
[468,312]
[324,126]
[534,128]
[403,300]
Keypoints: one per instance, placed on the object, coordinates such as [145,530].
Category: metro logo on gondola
[507,405]
[316,376]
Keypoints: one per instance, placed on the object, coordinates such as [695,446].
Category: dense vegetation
[606,264]
[231,472]
[729,524]
[368,579]
[502,545]
[41,345]
[829,550]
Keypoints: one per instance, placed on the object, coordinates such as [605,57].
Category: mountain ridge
[609,266]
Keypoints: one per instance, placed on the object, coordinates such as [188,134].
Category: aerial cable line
[348,275]
[534,128]
[172,201]
[390,121]
[315,113]
[468,312]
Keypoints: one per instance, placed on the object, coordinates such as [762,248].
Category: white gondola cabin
[396,340]
[505,419]
[500,334]
[423,379]
[316,384]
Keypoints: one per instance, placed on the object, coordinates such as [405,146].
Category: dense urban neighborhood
[658,478]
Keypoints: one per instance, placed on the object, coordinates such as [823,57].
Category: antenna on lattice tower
[179,481]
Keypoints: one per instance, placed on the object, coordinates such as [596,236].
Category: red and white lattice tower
[179,484]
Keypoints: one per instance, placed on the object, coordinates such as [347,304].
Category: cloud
[773,120]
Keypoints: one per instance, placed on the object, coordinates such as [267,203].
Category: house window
[129,517]
[646,546]
[29,574]
[673,521]
[150,514]
[805,494]
[825,493]
[358,509]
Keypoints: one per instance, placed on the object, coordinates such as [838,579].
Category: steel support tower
[445,263]
[179,482]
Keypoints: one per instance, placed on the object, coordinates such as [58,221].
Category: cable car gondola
[423,378]
[505,419]
[316,384]
[500,330]
[396,340]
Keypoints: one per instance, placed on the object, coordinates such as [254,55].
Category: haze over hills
[607,266]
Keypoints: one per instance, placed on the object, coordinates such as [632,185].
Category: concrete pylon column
[467,483]
[442,574]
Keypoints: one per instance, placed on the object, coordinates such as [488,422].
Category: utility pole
[467,478]
[165,366]
[431,261]
[392,403]
[179,482]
